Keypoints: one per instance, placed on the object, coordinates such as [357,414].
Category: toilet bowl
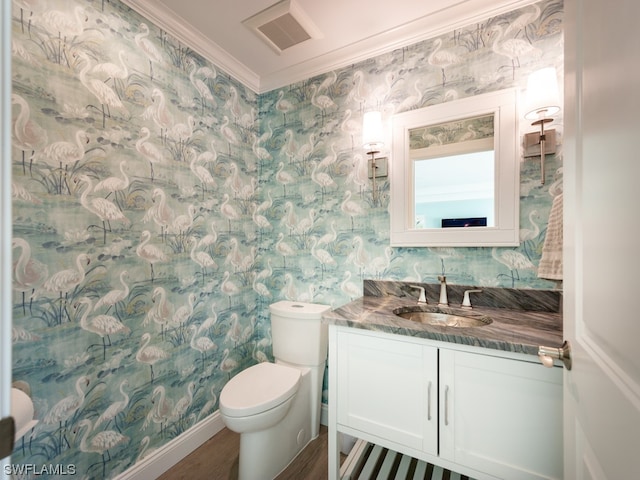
[275,407]
[258,397]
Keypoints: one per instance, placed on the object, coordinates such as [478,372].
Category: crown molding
[463,13]
[162,17]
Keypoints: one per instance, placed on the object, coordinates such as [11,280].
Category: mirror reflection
[453,166]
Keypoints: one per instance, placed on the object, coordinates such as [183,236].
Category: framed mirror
[455,173]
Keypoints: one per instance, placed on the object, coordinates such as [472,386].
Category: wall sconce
[372,140]
[541,102]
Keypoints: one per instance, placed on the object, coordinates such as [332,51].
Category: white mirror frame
[504,105]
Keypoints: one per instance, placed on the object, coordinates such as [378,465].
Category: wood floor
[217,459]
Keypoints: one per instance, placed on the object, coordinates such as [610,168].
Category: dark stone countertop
[513,329]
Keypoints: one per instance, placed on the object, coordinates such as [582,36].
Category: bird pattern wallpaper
[160,206]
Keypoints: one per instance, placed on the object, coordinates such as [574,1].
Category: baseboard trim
[174,451]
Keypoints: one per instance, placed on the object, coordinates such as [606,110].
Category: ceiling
[350,30]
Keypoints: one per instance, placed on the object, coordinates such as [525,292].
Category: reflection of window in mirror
[453,167]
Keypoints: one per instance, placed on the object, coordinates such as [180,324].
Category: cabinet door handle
[429,401]
[446,405]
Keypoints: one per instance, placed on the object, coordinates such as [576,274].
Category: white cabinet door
[501,416]
[388,389]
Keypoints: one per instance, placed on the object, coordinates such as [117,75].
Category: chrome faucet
[444,301]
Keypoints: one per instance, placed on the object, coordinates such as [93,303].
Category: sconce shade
[542,98]
[372,138]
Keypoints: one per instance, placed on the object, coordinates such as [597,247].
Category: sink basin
[442,316]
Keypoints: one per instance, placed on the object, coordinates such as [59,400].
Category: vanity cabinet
[482,413]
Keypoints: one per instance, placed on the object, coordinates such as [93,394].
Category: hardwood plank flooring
[217,459]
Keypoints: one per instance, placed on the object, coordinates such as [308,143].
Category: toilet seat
[258,388]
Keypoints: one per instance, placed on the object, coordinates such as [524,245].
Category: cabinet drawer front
[384,387]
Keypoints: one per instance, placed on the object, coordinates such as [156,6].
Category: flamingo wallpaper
[159,206]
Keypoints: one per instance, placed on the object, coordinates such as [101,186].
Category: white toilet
[275,407]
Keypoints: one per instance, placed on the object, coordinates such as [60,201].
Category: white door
[602,247]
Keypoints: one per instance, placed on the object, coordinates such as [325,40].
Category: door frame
[5,217]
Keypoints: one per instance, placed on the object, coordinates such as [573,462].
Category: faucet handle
[466,301]
[423,295]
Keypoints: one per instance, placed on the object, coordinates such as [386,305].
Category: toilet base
[266,453]
[267,463]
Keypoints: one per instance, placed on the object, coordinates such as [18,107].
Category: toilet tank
[297,332]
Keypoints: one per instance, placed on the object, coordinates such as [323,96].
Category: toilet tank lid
[258,388]
[287,308]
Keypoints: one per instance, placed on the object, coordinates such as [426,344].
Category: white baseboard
[171,453]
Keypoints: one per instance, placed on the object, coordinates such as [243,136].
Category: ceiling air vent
[283,25]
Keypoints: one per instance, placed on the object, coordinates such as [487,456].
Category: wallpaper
[464,130]
[159,206]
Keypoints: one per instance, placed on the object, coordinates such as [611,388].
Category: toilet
[275,407]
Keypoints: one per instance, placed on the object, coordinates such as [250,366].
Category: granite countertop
[513,329]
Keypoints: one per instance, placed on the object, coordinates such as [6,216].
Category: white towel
[551,261]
